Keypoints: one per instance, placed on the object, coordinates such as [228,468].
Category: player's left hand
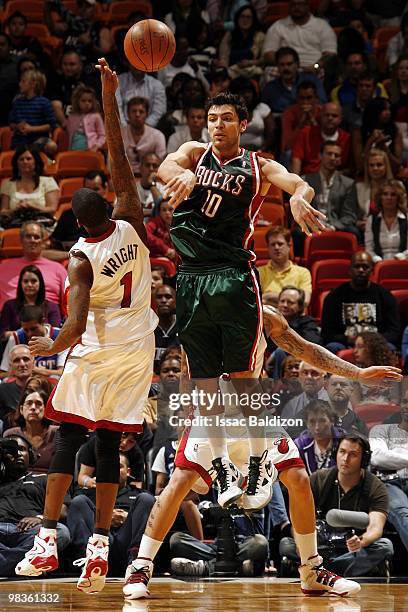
[110,81]
[309,219]
[375,375]
[40,345]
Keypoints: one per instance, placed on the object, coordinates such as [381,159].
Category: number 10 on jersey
[211,204]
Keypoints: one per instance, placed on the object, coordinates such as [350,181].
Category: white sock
[307,545]
[256,439]
[46,533]
[217,440]
[98,536]
[147,551]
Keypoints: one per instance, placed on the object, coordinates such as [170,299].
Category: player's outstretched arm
[175,171]
[278,330]
[127,205]
[80,277]
[309,219]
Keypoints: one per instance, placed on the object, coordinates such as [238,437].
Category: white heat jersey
[119,309]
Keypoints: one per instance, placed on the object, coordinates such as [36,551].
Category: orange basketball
[149,45]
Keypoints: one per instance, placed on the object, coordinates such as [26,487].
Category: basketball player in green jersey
[218,190]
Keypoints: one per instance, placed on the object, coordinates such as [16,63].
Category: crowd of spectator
[325,101]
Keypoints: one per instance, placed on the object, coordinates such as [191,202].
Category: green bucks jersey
[215,224]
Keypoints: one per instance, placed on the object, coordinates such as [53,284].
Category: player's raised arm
[309,219]
[80,277]
[127,205]
[175,171]
[279,331]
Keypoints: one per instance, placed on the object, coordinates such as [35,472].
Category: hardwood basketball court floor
[205,595]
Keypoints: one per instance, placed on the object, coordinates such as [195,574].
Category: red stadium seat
[274,195]
[329,245]
[260,246]
[316,305]
[401,295]
[5,138]
[60,137]
[375,414]
[274,213]
[10,244]
[68,187]
[329,274]
[32,9]
[347,355]
[392,274]
[78,163]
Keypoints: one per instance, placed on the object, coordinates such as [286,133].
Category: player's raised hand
[109,77]
[180,187]
[40,345]
[309,219]
[375,375]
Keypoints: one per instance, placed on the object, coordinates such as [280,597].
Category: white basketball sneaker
[261,476]
[137,579]
[229,480]
[92,579]
[43,557]
[316,580]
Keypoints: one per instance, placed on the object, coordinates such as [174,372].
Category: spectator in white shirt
[136,83]
[138,137]
[310,36]
[389,446]
[150,192]
[398,44]
[386,233]
[194,130]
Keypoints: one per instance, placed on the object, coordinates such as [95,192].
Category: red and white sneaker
[43,557]
[316,580]
[92,579]
[137,579]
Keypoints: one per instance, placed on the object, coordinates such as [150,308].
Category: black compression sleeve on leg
[107,455]
[70,437]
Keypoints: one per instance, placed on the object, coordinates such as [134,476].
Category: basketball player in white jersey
[107,376]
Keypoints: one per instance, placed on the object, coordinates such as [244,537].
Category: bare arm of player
[175,171]
[309,219]
[278,330]
[80,277]
[127,206]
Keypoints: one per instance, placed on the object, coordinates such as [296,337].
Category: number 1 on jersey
[211,204]
[126,281]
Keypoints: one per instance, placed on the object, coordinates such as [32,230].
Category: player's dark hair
[32,312]
[89,208]
[232,100]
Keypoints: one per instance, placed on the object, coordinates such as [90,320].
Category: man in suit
[331,188]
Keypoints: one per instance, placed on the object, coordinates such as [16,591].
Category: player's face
[224,127]
[349,457]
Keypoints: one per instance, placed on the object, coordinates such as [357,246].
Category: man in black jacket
[359,305]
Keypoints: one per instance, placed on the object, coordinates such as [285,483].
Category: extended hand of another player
[375,375]
[109,77]
[309,219]
[180,187]
[40,345]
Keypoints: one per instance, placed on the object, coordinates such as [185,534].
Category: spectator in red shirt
[305,112]
[158,233]
[308,143]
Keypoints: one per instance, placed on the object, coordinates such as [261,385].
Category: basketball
[149,45]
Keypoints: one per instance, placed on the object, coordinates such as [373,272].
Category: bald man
[312,381]
[309,141]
